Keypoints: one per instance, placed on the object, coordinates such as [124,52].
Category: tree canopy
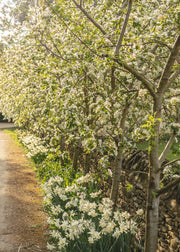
[98,76]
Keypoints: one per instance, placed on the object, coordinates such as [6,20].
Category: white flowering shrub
[81,220]
[35,146]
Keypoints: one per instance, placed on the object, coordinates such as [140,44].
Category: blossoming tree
[96,74]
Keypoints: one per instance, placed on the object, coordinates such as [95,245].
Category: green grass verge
[13,135]
[174,152]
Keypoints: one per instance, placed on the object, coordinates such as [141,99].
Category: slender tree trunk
[87,163]
[116,176]
[118,161]
[62,148]
[152,213]
[119,158]
[152,204]
[152,208]
[76,153]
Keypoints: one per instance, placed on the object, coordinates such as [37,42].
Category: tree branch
[164,80]
[139,76]
[161,43]
[91,19]
[121,83]
[167,187]
[124,115]
[169,144]
[52,52]
[141,172]
[123,28]
[74,34]
[167,148]
[171,96]
[174,76]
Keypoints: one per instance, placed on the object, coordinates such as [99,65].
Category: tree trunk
[76,153]
[152,204]
[152,208]
[119,158]
[116,177]
[152,214]
[87,163]
[62,149]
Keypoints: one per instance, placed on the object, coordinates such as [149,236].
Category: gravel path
[22,222]
[5,125]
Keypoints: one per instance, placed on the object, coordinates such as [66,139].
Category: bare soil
[22,220]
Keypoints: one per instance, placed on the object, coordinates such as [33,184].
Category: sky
[4,14]
[5,2]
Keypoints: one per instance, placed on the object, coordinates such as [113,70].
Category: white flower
[107,202]
[102,223]
[94,236]
[100,208]
[174,100]
[56,209]
[124,227]
[139,212]
[73,202]
[92,213]
[84,179]
[50,221]
[57,223]
[73,188]
[142,92]
[110,172]
[86,206]
[62,243]
[70,226]
[50,247]
[65,225]
[55,234]
[126,215]
[59,180]
[107,213]
[90,240]
[176,125]
[132,226]
[96,194]
[108,228]
[116,233]
[168,171]
[65,216]
[176,176]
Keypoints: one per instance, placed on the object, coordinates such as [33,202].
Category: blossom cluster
[34,145]
[80,217]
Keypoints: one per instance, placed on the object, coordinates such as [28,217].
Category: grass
[13,135]
[174,152]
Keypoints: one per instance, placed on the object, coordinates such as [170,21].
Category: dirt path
[22,222]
